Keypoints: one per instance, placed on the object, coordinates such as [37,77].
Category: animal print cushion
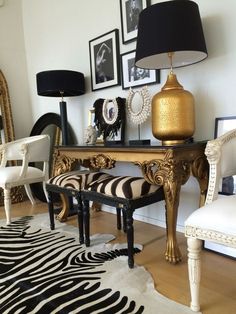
[76,180]
[123,186]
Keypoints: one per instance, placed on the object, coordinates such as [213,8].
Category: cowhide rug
[44,271]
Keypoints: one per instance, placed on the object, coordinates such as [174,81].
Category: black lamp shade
[57,82]
[172,26]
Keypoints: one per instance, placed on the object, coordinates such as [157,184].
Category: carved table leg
[62,216]
[170,173]
[172,193]
[200,170]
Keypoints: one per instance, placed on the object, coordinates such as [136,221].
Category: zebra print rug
[43,271]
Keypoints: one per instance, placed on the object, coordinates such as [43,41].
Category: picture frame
[223,125]
[129,13]
[110,120]
[104,60]
[133,76]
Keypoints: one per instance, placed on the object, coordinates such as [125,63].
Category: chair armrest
[2,156]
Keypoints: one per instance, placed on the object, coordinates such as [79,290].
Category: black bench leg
[51,211]
[124,220]
[130,237]
[118,217]
[86,222]
[80,219]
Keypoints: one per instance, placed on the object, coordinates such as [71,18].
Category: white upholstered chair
[25,150]
[216,220]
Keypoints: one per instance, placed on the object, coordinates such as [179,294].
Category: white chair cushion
[220,216]
[11,175]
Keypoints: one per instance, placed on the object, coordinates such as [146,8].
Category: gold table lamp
[170,35]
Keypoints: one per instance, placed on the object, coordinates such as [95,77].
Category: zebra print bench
[123,192]
[71,184]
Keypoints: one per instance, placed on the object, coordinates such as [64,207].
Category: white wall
[57,33]
[13,65]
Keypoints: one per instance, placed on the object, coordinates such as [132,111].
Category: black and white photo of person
[133,9]
[136,73]
[104,61]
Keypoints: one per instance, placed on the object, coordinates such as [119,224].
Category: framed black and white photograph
[133,76]
[104,60]
[129,12]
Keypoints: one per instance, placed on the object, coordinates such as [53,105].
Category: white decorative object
[139,116]
[110,111]
[90,135]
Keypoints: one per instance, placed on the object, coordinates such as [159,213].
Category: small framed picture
[133,76]
[223,125]
[129,12]
[104,62]
[110,119]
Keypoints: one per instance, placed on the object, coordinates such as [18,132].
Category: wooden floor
[218,286]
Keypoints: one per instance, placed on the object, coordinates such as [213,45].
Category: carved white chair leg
[194,270]
[7,204]
[29,194]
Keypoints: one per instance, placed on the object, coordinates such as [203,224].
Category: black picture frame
[223,125]
[129,18]
[110,120]
[104,60]
[133,76]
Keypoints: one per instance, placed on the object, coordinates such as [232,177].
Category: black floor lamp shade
[57,82]
[61,83]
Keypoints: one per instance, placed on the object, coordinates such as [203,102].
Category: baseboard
[138,217]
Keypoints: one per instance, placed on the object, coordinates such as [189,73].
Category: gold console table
[169,166]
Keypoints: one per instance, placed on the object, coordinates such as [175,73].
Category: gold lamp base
[173,117]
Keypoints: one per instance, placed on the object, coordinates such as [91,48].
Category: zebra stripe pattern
[76,180]
[123,186]
[46,272]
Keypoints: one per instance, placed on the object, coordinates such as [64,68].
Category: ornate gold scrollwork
[158,171]
[63,163]
[171,173]
[5,108]
[200,168]
[101,161]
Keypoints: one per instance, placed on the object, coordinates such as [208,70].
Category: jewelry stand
[139,142]
[139,116]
